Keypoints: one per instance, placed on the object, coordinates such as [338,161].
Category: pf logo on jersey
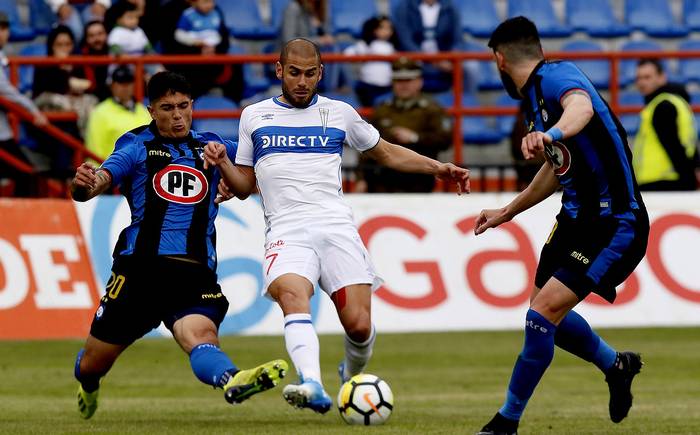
[180,184]
[560,157]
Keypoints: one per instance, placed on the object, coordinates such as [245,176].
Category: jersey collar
[289,106]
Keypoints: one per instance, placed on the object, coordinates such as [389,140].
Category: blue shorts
[593,255]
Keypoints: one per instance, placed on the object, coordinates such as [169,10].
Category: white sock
[302,345]
[358,354]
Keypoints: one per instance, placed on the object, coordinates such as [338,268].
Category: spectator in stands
[61,88]
[412,120]
[665,152]
[116,115]
[378,37]
[429,26]
[67,15]
[115,11]
[24,183]
[306,19]
[127,38]
[199,26]
[96,10]
[95,44]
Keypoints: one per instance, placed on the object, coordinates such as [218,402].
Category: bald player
[291,145]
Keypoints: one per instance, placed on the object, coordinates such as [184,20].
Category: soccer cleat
[308,394]
[87,402]
[341,373]
[499,425]
[245,383]
[619,379]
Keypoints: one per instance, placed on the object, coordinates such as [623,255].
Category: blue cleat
[341,373]
[308,394]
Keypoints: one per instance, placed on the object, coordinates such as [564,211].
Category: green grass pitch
[444,383]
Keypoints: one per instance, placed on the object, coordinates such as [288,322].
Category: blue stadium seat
[628,67]
[393,4]
[255,80]
[243,20]
[41,16]
[18,31]
[489,78]
[26,72]
[478,17]
[475,129]
[277,8]
[654,17]
[225,127]
[505,123]
[594,17]
[348,16]
[689,69]
[598,71]
[630,121]
[351,99]
[542,13]
[691,14]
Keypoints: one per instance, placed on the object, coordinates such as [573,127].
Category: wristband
[555,134]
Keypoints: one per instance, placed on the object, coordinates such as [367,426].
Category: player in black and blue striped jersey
[600,234]
[164,266]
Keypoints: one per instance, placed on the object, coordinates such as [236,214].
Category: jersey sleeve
[121,163]
[360,134]
[231,148]
[566,78]
[244,154]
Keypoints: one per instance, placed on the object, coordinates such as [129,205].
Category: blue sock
[537,353]
[89,383]
[575,335]
[211,365]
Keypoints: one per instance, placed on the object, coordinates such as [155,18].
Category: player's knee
[292,301]
[358,326]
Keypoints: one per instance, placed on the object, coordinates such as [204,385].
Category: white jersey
[296,155]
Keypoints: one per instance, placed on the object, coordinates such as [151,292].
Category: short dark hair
[284,53]
[121,8]
[517,38]
[651,61]
[166,83]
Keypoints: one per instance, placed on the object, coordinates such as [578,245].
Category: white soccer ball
[365,399]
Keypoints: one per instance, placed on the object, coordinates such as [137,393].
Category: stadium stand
[628,66]
[254,82]
[595,17]
[348,16]
[18,31]
[478,17]
[630,121]
[654,17]
[505,123]
[598,71]
[475,129]
[488,78]
[26,72]
[243,20]
[541,12]
[41,16]
[689,69]
[226,128]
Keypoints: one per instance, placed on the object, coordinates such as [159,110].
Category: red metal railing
[455,57]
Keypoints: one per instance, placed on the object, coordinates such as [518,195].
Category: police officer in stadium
[164,266]
[665,152]
[412,120]
[600,234]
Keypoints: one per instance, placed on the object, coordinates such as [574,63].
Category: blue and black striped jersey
[594,166]
[170,194]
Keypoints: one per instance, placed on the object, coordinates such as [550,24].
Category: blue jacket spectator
[199,25]
[411,17]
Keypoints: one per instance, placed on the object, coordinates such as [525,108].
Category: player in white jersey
[291,146]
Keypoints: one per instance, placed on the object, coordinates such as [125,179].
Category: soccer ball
[365,399]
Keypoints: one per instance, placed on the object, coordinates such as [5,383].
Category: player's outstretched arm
[240,180]
[542,186]
[89,182]
[402,159]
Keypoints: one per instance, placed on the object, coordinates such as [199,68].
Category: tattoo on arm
[576,92]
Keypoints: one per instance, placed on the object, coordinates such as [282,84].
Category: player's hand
[223,192]
[214,154]
[454,174]
[85,176]
[490,218]
[534,143]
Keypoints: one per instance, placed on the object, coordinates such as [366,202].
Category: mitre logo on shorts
[180,184]
[560,157]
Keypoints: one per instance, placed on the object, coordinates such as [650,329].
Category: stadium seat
[348,16]
[489,78]
[243,20]
[225,127]
[478,17]
[18,31]
[691,14]
[689,69]
[41,16]
[598,71]
[594,17]
[277,8]
[475,129]
[504,123]
[630,121]
[393,4]
[654,17]
[255,80]
[542,13]
[628,67]
[26,72]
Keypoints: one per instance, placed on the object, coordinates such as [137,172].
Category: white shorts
[332,257]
